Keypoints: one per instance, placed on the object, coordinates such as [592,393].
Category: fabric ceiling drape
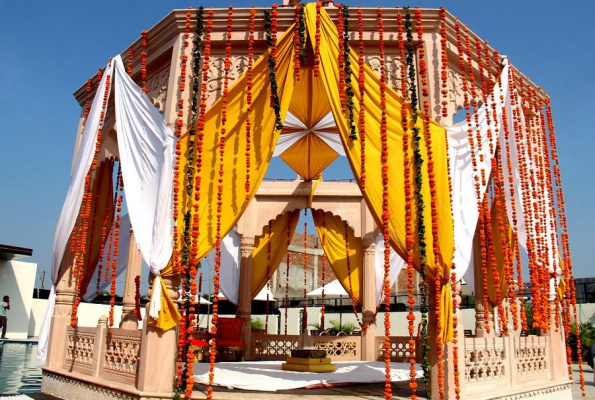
[264,137]
[329,52]
[278,239]
[335,247]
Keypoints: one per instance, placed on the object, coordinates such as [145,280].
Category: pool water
[20,372]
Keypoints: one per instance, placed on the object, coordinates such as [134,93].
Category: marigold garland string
[222,136]
[270,26]
[129,63]
[421,228]
[439,278]
[385,208]
[305,261]
[269,245]
[347,73]
[288,230]
[137,312]
[249,99]
[143,61]
[323,274]
[361,77]
[116,240]
[317,41]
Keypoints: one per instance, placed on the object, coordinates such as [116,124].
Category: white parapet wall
[17,279]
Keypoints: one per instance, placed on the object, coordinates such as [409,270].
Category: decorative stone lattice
[531,356]
[338,349]
[399,349]
[122,351]
[276,349]
[485,363]
[157,88]
[79,347]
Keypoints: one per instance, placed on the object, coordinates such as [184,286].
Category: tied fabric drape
[278,239]
[146,148]
[329,52]
[264,137]
[229,272]
[72,203]
[335,248]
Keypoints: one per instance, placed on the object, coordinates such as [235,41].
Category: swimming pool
[20,372]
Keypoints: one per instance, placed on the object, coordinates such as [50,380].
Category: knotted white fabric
[286,140]
[229,270]
[396,264]
[146,147]
[72,204]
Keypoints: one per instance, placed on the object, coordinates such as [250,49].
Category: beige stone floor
[372,391]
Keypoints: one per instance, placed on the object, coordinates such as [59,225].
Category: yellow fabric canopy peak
[309,156]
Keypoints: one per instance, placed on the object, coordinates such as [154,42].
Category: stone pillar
[133,269]
[369,350]
[157,362]
[65,294]
[245,289]
[448,355]
[557,349]
[482,318]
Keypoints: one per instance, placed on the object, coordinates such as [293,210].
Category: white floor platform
[269,377]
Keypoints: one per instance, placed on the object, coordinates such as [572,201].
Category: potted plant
[257,325]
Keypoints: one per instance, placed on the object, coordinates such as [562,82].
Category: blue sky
[48,49]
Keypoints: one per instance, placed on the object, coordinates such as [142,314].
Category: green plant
[587,334]
[348,328]
[317,326]
[256,324]
[529,315]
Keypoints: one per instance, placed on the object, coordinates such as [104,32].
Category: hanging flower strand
[222,140]
[249,99]
[143,61]
[385,209]
[270,26]
[361,77]
[317,41]
[348,73]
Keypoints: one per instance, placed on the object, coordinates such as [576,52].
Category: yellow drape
[278,239]
[495,213]
[168,315]
[264,137]
[333,230]
[329,52]
[309,156]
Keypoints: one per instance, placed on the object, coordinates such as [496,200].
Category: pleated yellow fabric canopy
[277,236]
[329,52]
[498,252]
[336,239]
[309,156]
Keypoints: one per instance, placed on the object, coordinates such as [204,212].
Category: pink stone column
[369,350]
[157,361]
[245,289]
[133,269]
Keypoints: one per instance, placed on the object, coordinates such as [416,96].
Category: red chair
[229,337]
[200,348]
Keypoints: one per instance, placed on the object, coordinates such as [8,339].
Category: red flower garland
[139,316]
[288,229]
[269,247]
[129,64]
[143,61]
[249,99]
[222,133]
[341,58]
[317,41]
[361,76]
[297,51]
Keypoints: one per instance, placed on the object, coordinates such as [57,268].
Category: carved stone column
[369,350]
[65,294]
[133,269]
[483,318]
[448,355]
[245,289]
[157,362]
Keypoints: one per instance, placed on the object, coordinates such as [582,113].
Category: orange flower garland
[317,41]
[361,76]
[385,208]
[222,139]
[249,99]
[129,63]
[137,312]
[88,102]
[305,261]
[323,274]
[143,61]
[443,63]
[341,57]
[438,282]
[269,245]
[288,229]
[408,212]
[297,42]
[115,256]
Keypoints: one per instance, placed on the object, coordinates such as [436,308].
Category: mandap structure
[176,134]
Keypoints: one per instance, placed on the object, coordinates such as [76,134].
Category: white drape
[229,270]
[286,140]
[121,263]
[146,147]
[72,203]
[396,264]
[465,211]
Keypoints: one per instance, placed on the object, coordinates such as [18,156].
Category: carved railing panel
[531,355]
[339,348]
[273,347]
[485,359]
[120,355]
[399,348]
[80,344]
